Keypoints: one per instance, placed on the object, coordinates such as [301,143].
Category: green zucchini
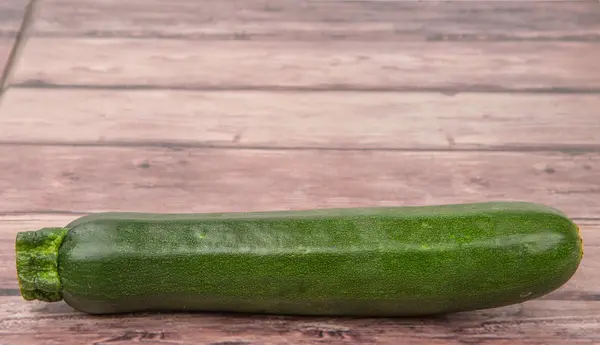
[382,261]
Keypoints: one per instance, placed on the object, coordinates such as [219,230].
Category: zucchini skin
[394,261]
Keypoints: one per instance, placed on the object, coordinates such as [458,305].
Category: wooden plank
[90,179]
[570,322]
[286,65]
[317,20]
[568,315]
[301,120]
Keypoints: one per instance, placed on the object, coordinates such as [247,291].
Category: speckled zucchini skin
[395,261]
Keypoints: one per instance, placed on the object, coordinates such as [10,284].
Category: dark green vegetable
[395,261]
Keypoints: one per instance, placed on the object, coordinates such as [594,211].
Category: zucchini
[381,261]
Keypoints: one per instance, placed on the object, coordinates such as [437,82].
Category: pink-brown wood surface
[242,105]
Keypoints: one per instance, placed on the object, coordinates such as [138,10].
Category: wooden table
[241,105]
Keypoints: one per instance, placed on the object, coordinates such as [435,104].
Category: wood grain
[301,120]
[565,322]
[90,179]
[570,313]
[317,20]
[287,65]
[75,138]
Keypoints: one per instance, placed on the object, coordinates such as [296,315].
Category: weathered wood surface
[280,104]
[316,20]
[298,65]
[38,323]
[89,179]
[383,120]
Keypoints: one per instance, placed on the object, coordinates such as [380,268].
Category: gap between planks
[5,47]
[404,66]
[315,20]
[314,120]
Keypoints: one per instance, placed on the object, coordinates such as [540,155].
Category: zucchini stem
[37,263]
